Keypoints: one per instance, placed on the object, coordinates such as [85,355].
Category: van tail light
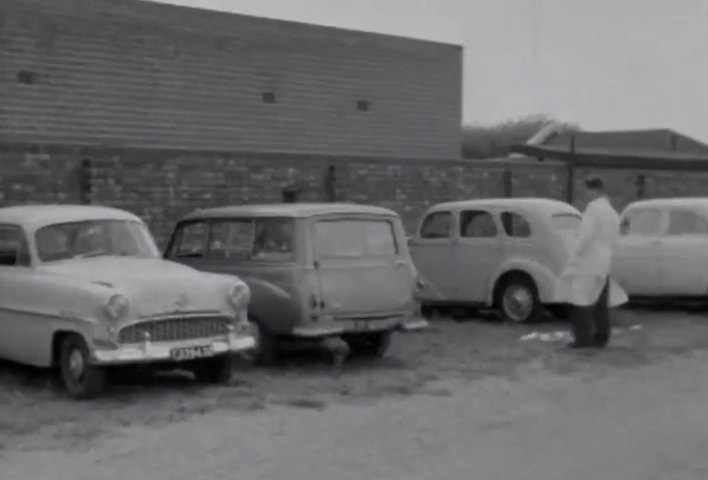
[316,306]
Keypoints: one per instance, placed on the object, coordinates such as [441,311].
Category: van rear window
[567,221]
[355,238]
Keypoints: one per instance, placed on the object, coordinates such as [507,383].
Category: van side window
[477,224]
[515,225]
[232,238]
[687,222]
[437,225]
[14,251]
[270,239]
[191,240]
[641,223]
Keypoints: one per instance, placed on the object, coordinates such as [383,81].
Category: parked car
[83,288]
[315,270]
[663,248]
[502,253]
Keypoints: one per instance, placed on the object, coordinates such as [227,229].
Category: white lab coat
[589,264]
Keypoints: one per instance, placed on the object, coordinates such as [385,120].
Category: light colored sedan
[663,248]
[84,288]
[505,253]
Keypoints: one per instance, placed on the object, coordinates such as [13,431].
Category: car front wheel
[80,378]
[518,300]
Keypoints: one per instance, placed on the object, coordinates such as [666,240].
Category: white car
[505,253]
[84,288]
[663,248]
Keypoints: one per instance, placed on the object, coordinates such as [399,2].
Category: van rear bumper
[345,326]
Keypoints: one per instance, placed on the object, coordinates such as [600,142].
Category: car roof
[299,210]
[529,203]
[38,216]
[671,202]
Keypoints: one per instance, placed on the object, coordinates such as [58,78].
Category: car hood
[154,286]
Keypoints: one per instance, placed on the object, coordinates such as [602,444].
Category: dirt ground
[35,417]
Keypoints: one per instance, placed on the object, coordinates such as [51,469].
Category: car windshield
[355,238]
[94,238]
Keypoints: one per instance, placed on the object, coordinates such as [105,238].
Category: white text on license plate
[191,353]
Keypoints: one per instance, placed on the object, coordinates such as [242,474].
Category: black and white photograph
[353,239]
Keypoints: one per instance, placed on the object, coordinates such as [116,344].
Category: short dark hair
[594,183]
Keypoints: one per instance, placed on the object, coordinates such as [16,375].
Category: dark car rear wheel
[214,370]
[79,377]
[370,344]
[517,299]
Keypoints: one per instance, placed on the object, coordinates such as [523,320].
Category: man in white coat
[591,291]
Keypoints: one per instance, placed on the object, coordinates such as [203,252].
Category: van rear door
[363,266]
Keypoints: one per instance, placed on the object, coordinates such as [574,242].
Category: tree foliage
[494,141]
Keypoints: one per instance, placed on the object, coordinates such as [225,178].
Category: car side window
[191,240]
[14,251]
[437,225]
[233,238]
[687,222]
[641,223]
[477,224]
[515,225]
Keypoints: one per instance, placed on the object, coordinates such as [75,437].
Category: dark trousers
[591,324]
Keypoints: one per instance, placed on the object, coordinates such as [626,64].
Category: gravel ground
[449,355]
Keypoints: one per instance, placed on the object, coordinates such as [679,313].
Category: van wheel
[371,344]
[214,370]
[518,300]
[80,379]
[265,351]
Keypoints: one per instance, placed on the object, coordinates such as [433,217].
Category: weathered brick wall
[140,74]
[163,185]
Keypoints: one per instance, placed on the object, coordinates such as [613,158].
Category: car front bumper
[149,352]
[349,326]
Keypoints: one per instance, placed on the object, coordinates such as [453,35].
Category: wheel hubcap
[518,302]
[76,365]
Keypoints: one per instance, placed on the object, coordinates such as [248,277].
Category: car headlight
[240,296]
[117,307]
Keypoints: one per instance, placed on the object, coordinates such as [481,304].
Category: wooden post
[570,187]
[508,182]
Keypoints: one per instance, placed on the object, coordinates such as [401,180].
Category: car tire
[518,300]
[265,351]
[216,370]
[370,344]
[79,378]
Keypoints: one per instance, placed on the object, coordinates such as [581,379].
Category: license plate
[191,353]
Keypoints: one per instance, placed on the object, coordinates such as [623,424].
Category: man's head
[594,187]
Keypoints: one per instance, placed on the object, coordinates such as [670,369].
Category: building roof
[37,216]
[652,149]
[299,210]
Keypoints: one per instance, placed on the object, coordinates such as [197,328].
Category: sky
[604,64]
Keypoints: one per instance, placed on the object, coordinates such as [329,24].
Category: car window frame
[492,214]
[174,247]
[23,257]
[451,229]
[688,209]
[663,224]
[523,217]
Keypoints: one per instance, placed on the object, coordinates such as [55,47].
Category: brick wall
[140,74]
[162,185]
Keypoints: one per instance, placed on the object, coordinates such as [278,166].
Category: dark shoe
[600,341]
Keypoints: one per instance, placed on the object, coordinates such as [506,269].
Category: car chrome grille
[175,329]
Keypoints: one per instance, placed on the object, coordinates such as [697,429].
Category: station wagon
[315,270]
